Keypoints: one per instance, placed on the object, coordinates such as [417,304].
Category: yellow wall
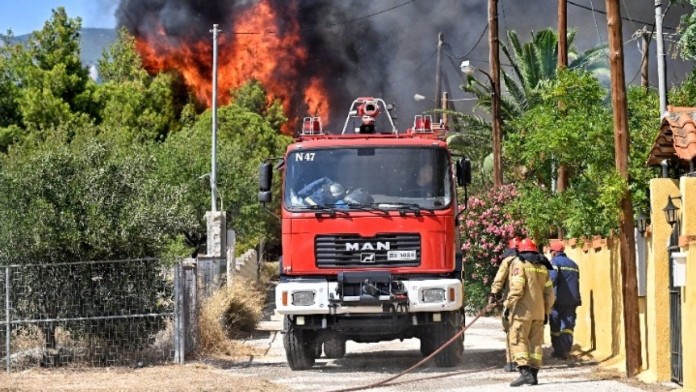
[657,361]
[688,229]
[599,330]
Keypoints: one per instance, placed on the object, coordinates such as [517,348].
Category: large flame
[257,49]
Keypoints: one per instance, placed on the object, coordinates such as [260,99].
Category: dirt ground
[193,376]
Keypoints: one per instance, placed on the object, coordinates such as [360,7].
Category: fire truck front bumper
[318,296]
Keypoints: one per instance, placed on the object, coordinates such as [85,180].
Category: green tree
[132,103]
[245,139]
[533,63]
[89,199]
[577,134]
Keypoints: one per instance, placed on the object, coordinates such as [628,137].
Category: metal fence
[101,313]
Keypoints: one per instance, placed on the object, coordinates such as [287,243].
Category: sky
[23,17]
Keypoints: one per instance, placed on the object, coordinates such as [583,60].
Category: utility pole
[562,64]
[562,34]
[213,164]
[661,72]
[494,60]
[645,52]
[621,144]
[215,220]
[438,75]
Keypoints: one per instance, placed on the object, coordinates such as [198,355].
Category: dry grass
[230,313]
[269,272]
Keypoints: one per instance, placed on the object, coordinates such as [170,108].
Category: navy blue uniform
[566,282]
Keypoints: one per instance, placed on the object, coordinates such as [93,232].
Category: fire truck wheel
[335,348]
[300,347]
[452,355]
[427,343]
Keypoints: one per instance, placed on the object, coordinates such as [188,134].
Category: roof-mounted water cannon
[366,109]
[312,126]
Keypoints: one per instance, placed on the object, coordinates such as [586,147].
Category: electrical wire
[478,41]
[624,18]
[360,18]
[594,16]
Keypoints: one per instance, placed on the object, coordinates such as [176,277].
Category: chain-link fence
[103,313]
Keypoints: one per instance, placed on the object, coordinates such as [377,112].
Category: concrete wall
[599,331]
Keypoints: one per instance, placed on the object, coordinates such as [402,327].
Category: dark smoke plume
[359,49]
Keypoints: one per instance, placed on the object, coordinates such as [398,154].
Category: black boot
[535,373]
[510,367]
[525,377]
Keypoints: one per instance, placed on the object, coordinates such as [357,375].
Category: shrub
[486,227]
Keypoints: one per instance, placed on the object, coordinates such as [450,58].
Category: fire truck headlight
[303,298]
[433,295]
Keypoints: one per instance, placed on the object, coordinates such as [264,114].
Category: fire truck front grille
[383,250]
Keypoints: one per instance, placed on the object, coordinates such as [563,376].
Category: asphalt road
[365,364]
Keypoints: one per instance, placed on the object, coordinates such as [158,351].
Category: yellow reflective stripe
[569,269]
[555,334]
[539,270]
[518,279]
[568,331]
[548,283]
[521,356]
[537,356]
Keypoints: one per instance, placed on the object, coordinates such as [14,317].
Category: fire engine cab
[370,250]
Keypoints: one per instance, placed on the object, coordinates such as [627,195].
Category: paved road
[365,364]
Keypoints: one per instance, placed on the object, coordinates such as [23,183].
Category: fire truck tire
[453,354]
[335,348]
[427,343]
[300,348]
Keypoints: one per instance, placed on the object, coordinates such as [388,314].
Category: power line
[594,16]
[624,18]
[359,18]
[478,41]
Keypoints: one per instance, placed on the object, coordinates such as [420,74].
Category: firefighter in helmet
[527,307]
[499,289]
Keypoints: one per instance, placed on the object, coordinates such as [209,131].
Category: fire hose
[426,359]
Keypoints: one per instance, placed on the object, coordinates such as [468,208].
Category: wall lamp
[641,223]
[671,210]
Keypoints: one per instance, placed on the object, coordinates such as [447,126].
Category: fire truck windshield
[378,177]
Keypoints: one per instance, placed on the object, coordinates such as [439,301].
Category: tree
[687,41]
[132,103]
[575,134]
[245,139]
[532,63]
[89,199]
[47,86]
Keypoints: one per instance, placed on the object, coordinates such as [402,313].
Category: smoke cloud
[388,48]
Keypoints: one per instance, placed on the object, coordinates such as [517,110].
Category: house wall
[600,331]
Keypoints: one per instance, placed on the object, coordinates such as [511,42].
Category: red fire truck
[370,250]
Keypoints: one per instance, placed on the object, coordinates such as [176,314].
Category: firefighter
[566,283]
[499,288]
[527,307]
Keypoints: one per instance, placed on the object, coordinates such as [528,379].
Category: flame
[258,48]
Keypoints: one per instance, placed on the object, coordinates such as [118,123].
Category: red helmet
[527,245]
[557,246]
[514,243]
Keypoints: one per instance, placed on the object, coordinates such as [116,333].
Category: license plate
[401,255]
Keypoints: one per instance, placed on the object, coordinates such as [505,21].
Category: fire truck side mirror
[463,172]
[265,181]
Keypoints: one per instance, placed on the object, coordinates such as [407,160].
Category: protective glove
[546,319]
[492,298]
[506,314]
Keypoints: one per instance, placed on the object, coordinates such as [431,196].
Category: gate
[675,333]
